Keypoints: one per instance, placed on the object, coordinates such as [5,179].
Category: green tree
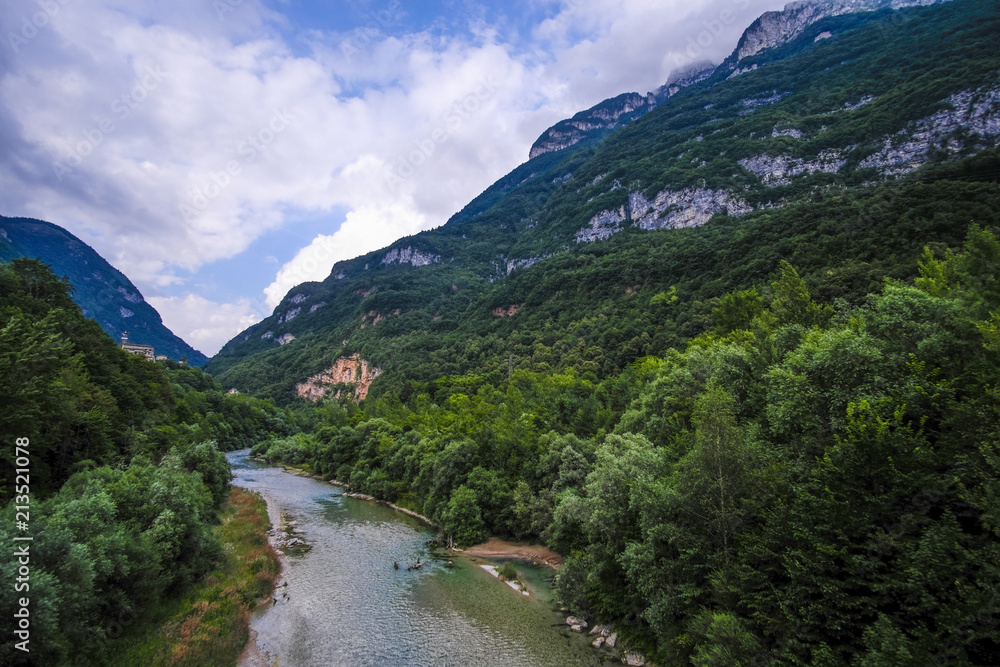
[462,519]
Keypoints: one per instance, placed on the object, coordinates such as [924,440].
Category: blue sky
[219,152]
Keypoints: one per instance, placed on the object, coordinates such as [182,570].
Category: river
[346,605]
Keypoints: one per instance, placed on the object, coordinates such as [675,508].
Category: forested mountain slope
[114,472]
[104,293]
[738,360]
[844,150]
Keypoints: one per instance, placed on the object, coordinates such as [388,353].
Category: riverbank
[494,548]
[209,623]
[304,472]
[498,549]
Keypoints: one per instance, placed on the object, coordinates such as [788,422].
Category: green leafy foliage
[102,292]
[126,470]
[801,485]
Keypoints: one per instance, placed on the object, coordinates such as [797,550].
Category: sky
[220,152]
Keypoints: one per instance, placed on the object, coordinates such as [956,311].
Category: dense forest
[126,471]
[770,439]
[805,483]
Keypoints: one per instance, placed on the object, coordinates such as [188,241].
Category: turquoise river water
[346,605]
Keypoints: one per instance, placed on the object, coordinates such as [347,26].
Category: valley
[717,369]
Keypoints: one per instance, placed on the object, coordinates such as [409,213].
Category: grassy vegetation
[507,571]
[208,624]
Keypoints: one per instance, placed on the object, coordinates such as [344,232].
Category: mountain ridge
[103,292]
[770,30]
[806,119]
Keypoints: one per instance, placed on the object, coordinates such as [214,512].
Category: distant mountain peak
[775,28]
[770,30]
[103,292]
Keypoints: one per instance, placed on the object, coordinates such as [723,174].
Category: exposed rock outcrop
[776,170]
[975,115]
[289,315]
[509,311]
[602,226]
[773,29]
[670,209]
[410,256]
[600,117]
[352,371]
[131,297]
[373,317]
[634,659]
[683,208]
[752,104]
[616,111]
[523,263]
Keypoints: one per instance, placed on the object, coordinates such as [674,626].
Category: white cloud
[169,138]
[203,324]
[367,228]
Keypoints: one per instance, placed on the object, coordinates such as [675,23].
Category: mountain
[736,358]
[102,292]
[842,137]
[772,29]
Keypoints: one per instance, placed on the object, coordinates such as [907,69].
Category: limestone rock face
[602,226]
[603,116]
[776,170]
[352,371]
[777,28]
[974,114]
[617,110]
[411,257]
[669,209]
[690,207]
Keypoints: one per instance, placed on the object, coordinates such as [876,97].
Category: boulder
[598,643]
[576,628]
[634,659]
[612,640]
[573,620]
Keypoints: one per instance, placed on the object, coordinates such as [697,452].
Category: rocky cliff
[351,376]
[616,111]
[603,116]
[770,30]
[776,28]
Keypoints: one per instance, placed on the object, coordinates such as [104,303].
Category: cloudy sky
[219,152]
